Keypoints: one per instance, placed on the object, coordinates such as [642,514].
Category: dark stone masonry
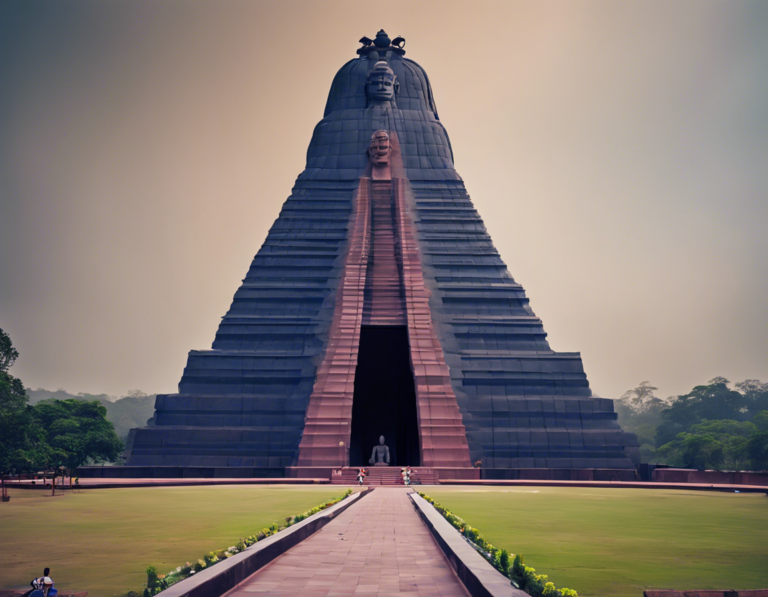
[378,305]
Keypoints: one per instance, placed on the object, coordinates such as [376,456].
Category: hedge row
[523,577]
[159,582]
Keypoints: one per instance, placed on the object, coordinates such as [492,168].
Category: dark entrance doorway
[384,401]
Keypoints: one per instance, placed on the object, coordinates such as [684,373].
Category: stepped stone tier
[378,305]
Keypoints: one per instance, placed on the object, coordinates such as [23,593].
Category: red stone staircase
[384,475]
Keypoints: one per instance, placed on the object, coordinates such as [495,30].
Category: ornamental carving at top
[381,45]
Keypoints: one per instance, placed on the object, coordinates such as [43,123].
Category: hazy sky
[618,152]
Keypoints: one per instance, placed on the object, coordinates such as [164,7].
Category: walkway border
[478,576]
[127,483]
[218,579]
[613,484]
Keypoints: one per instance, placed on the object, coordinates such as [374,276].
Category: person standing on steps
[360,476]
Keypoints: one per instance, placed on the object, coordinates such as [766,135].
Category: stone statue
[379,149]
[381,84]
[379,152]
[380,454]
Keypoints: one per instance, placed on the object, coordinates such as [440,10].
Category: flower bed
[523,577]
[159,582]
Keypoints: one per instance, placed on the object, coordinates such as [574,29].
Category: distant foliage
[132,410]
[711,427]
[639,412]
[8,354]
[52,435]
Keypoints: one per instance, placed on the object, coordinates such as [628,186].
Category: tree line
[713,426]
[125,413]
[52,436]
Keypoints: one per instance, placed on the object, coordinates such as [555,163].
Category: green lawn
[102,540]
[601,542]
[618,542]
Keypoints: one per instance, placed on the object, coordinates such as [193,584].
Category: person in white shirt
[43,583]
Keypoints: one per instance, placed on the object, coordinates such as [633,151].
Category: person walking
[360,476]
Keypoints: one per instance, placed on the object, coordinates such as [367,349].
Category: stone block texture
[289,341]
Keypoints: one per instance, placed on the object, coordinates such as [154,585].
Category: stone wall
[679,475]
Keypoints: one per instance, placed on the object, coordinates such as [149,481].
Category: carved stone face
[381,84]
[379,149]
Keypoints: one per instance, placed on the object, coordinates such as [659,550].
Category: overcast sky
[618,152]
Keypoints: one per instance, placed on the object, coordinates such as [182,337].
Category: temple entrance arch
[384,401]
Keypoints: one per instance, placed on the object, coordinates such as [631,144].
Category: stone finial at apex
[381,44]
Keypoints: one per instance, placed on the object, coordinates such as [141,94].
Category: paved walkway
[378,547]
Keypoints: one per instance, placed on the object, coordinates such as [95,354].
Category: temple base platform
[429,475]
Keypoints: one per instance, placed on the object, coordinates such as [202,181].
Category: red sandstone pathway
[377,547]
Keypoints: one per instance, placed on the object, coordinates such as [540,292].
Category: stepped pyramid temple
[378,306]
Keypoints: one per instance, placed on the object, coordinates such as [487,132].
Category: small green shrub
[210,558]
[157,583]
[152,580]
[522,576]
[504,562]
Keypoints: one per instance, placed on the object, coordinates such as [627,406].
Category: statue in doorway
[380,454]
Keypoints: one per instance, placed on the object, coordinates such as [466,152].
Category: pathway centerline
[377,547]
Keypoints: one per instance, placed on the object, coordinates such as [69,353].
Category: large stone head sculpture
[381,84]
[379,149]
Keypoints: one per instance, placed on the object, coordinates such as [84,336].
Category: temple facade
[378,305]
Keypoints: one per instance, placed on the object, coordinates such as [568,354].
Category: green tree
[642,398]
[757,446]
[22,445]
[714,401]
[760,420]
[639,412]
[755,394]
[712,444]
[8,354]
[13,396]
[22,441]
[78,432]
[699,451]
